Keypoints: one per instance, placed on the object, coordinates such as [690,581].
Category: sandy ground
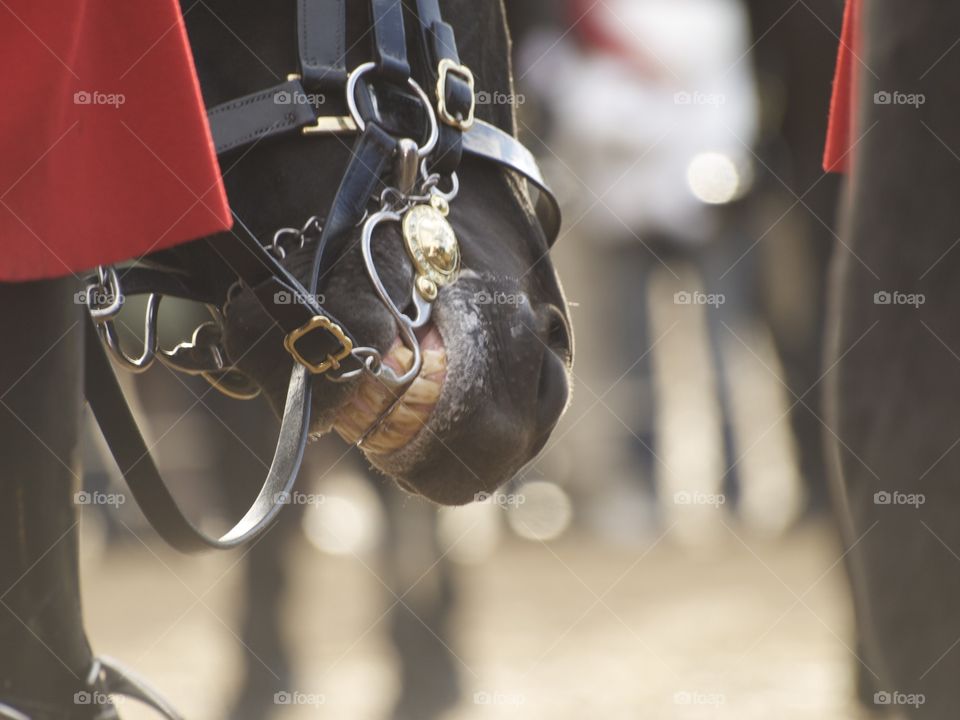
[744,628]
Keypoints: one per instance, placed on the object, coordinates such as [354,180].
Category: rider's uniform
[840,137]
[105,152]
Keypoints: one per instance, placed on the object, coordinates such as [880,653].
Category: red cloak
[105,151]
[840,140]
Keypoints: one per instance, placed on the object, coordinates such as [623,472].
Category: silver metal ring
[406,325]
[108,334]
[110,284]
[363,69]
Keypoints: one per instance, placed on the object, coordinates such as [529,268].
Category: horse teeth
[422,392]
[407,417]
[403,355]
[376,394]
[434,361]
[392,439]
[404,417]
[349,426]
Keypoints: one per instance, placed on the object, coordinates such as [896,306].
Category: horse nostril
[558,335]
[553,392]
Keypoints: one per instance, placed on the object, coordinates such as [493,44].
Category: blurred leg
[44,652]
[896,382]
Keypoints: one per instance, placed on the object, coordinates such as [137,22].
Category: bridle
[391,178]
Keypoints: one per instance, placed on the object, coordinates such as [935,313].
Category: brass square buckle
[445,68]
[332,361]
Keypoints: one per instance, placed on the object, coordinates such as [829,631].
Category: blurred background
[672,553]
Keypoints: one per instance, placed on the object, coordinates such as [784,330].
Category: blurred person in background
[691,135]
[655,120]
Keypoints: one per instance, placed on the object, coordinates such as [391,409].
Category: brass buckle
[332,361]
[326,124]
[330,125]
[445,68]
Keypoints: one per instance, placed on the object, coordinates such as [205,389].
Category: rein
[413,115]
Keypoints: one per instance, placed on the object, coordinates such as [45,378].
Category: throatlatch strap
[133,457]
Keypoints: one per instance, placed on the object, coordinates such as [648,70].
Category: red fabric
[105,152]
[840,138]
[593,29]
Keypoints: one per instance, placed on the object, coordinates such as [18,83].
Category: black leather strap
[436,42]
[371,157]
[280,109]
[489,142]
[390,40]
[144,280]
[321,37]
[133,457]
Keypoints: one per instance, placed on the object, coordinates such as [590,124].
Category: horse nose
[556,333]
[553,389]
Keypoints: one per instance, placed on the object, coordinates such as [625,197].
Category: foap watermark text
[699,98]
[299,498]
[685,297]
[501,499]
[696,497]
[95,97]
[895,297]
[896,497]
[85,497]
[896,97]
[895,697]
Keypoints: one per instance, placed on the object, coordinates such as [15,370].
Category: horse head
[498,348]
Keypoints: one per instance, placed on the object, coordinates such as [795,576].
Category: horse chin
[402,436]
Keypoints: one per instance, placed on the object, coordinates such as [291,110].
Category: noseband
[413,115]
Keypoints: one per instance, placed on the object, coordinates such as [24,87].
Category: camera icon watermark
[95,297]
[696,497]
[500,499]
[284,97]
[299,498]
[685,297]
[95,97]
[696,697]
[284,297]
[500,298]
[499,98]
[696,97]
[896,497]
[895,697]
[895,297]
[896,97]
[84,497]
[95,697]
[287,697]
[497,697]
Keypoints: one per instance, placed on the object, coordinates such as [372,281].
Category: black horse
[894,370]
[506,364]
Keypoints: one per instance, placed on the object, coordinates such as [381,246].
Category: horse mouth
[362,417]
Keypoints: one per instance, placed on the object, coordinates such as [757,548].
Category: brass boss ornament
[432,246]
